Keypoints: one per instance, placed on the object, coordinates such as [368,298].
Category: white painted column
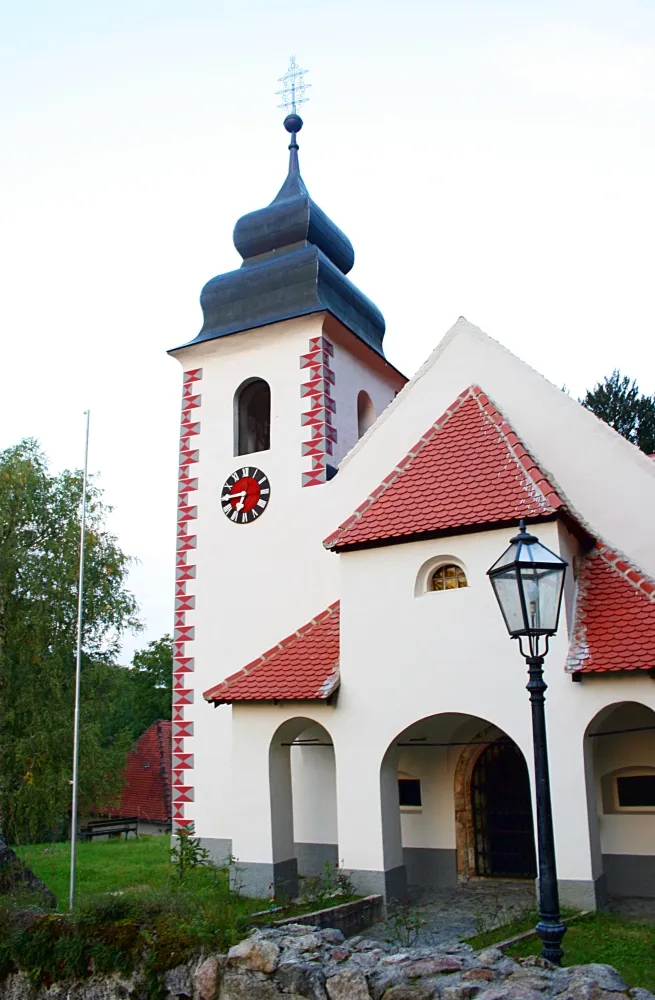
[370,845]
[577,850]
[263,813]
[314,805]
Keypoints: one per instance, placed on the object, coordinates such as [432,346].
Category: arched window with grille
[252,417]
[365,413]
[447,577]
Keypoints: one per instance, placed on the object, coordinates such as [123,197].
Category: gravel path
[448,915]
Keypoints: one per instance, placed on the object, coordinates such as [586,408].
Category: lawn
[102,866]
[140,869]
[630,947]
[131,910]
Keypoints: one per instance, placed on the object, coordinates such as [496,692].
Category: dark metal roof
[295,261]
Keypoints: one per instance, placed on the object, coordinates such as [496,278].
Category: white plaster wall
[404,658]
[625,833]
[434,825]
[254,727]
[257,583]
[313,780]
[357,367]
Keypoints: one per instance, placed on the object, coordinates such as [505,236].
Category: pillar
[263,809]
[575,819]
[370,842]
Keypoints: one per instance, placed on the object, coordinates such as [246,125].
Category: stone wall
[301,963]
[349,918]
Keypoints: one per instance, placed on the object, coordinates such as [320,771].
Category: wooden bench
[109,827]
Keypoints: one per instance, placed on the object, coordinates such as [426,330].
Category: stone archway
[464,825]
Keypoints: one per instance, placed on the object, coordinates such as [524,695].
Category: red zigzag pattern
[318,419]
[185,574]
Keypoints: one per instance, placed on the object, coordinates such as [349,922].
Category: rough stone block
[244,985]
[511,993]
[530,979]
[383,979]
[178,982]
[490,956]
[349,984]
[207,977]
[604,975]
[463,992]
[302,978]
[410,992]
[430,966]
[479,975]
[339,954]
[332,936]
[255,955]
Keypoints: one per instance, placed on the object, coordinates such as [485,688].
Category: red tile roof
[615,616]
[302,667]
[147,790]
[469,469]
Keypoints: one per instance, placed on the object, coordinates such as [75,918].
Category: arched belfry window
[448,577]
[365,413]
[252,417]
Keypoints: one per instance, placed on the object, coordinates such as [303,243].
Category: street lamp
[528,581]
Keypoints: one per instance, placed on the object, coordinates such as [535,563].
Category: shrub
[187,853]
[152,930]
[331,887]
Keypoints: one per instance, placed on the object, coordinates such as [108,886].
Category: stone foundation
[260,880]
[304,963]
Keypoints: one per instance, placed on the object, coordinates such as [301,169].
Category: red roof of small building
[614,625]
[469,469]
[302,667]
[147,789]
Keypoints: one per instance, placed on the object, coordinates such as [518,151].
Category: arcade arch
[471,822]
[303,802]
[619,748]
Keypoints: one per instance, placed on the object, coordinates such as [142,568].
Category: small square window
[635,791]
[409,792]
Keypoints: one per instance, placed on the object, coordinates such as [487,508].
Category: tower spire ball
[293,94]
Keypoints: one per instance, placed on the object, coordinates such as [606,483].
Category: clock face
[245,495]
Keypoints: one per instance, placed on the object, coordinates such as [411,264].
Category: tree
[618,402]
[152,675]
[139,695]
[39,552]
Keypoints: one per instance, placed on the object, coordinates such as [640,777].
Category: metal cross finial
[293,87]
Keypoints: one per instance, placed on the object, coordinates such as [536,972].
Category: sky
[487,158]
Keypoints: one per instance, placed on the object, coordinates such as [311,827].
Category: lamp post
[528,581]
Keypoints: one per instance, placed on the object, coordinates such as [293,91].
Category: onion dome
[295,262]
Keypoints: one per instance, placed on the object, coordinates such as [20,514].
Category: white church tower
[286,374]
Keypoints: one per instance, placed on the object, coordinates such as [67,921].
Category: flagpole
[78,666]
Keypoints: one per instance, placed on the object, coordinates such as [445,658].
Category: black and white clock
[245,495]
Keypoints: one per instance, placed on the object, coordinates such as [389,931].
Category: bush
[187,853]
[153,930]
[331,887]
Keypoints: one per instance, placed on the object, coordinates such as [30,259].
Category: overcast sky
[491,159]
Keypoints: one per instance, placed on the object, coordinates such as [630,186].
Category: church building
[345,689]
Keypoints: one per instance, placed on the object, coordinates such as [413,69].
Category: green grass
[102,866]
[628,946]
[525,920]
[131,910]
[486,939]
